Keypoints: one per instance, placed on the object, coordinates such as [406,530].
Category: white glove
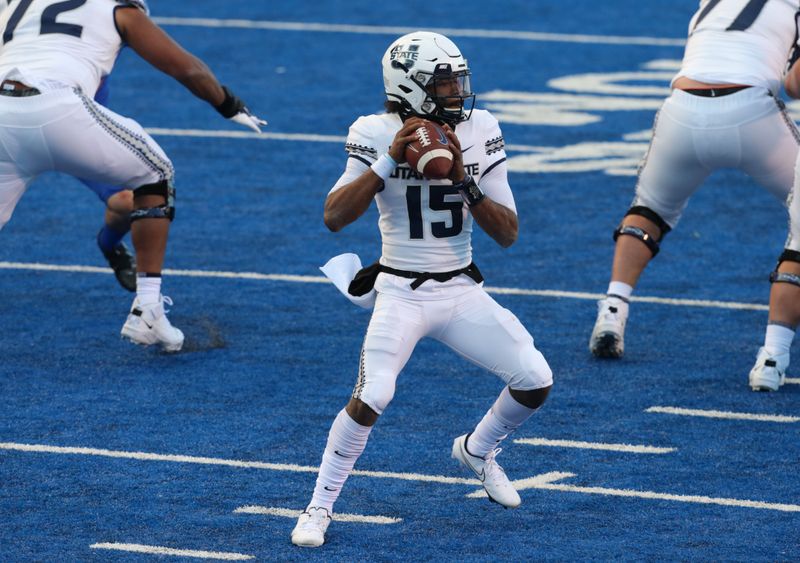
[248,120]
[233,108]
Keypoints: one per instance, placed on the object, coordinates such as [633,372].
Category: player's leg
[122,154]
[770,156]
[490,336]
[116,224]
[669,174]
[394,330]
[12,186]
[772,361]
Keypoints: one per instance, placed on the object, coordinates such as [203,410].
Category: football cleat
[311,527]
[148,324]
[489,473]
[123,263]
[769,372]
[608,335]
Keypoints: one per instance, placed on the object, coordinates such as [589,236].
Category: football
[429,154]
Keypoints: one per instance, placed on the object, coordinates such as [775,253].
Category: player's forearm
[201,82]
[498,221]
[792,81]
[347,204]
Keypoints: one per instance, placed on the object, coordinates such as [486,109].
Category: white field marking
[159,550]
[322,279]
[724,414]
[396,31]
[337,516]
[792,381]
[145,456]
[225,134]
[546,482]
[530,483]
[543,481]
[595,446]
[300,137]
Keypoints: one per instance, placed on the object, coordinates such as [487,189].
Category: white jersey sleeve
[425,225]
[741,42]
[49,44]
[361,150]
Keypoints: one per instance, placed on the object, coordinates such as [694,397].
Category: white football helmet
[427,75]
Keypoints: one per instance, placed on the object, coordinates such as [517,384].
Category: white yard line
[337,516]
[159,550]
[199,460]
[543,481]
[296,137]
[724,414]
[398,30]
[74,268]
[628,448]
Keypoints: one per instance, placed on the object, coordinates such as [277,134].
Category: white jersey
[425,225]
[48,44]
[741,42]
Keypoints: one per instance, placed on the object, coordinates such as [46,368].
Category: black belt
[364,280]
[715,92]
[17,89]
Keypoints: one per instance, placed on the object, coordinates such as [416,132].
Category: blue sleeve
[103,93]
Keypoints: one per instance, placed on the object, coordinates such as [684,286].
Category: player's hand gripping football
[457,174]
[233,108]
[406,134]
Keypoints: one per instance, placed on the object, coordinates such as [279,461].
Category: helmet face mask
[427,76]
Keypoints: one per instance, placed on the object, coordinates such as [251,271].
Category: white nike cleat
[769,372]
[148,324]
[608,335]
[490,474]
[311,527]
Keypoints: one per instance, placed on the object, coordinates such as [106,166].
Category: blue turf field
[169,447]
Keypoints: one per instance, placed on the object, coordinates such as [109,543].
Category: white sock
[505,416]
[621,289]
[346,441]
[778,340]
[148,289]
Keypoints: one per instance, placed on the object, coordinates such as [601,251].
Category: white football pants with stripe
[64,131]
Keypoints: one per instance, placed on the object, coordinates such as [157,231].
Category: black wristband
[470,191]
[231,105]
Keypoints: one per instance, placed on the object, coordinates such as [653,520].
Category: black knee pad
[165,189]
[639,233]
[785,277]
[648,213]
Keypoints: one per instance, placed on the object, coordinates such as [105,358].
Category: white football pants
[64,131]
[466,319]
[693,136]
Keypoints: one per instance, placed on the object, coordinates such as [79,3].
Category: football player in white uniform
[425,283]
[724,112]
[772,360]
[53,58]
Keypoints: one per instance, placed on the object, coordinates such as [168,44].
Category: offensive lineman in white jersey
[724,112]
[53,58]
[425,281]
[772,360]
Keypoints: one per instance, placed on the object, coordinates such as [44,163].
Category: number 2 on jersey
[49,15]
[745,18]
